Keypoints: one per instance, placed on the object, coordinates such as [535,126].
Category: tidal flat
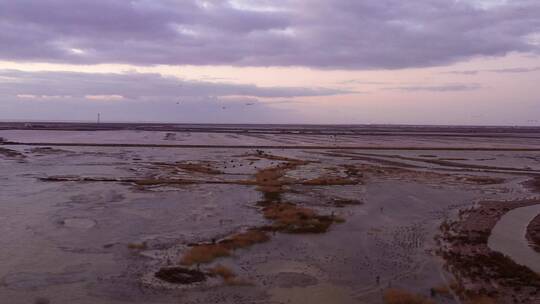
[236,214]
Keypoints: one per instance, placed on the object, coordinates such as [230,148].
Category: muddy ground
[533,233]
[225,223]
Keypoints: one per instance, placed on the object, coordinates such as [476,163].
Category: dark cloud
[143,97]
[467,72]
[316,33]
[436,88]
[517,70]
[207,110]
[356,81]
[137,86]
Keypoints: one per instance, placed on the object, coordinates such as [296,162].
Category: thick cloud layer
[136,86]
[142,97]
[316,33]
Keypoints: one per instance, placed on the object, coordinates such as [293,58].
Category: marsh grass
[290,218]
[206,253]
[442,290]
[228,276]
[398,296]
[246,239]
[222,271]
[138,246]
[480,300]
[330,181]
[198,168]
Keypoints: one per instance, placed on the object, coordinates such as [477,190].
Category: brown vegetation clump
[246,239]
[204,253]
[398,296]
[222,271]
[290,218]
[330,181]
[442,290]
[138,246]
[159,182]
[270,181]
[228,276]
[480,300]
[483,180]
[199,168]
[342,202]
[271,176]
[262,154]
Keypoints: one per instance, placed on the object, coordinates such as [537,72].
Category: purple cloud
[321,34]
[453,87]
[138,86]
[516,70]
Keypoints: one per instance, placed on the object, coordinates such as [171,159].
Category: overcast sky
[272,61]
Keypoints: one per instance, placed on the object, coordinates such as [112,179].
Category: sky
[457,62]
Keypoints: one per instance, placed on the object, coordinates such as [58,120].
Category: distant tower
[98,117]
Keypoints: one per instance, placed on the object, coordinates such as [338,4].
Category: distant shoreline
[386,130]
[292,147]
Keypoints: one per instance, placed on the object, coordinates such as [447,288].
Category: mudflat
[131,213]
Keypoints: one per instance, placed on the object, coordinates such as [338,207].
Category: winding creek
[509,237]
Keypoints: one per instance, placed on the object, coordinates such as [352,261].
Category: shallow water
[69,241]
[508,237]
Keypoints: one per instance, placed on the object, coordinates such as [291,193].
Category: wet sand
[178,214]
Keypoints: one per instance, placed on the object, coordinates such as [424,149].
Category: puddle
[27,280]
[322,293]
[79,223]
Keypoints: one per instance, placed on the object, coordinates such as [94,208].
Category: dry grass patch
[442,290]
[158,182]
[343,202]
[138,246]
[482,180]
[205,253]
[222,272]
[290,218]
[398,296]
[199,168]
[228,276]
[246,239]
[262,154]
[272,176]
[330,181]
[480,300]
